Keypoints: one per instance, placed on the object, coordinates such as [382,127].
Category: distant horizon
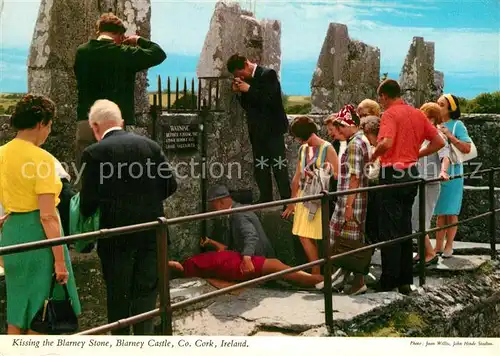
[296,75]
[465,38]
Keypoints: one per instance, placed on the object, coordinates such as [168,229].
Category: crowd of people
[369,147]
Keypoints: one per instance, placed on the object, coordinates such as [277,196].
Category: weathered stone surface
[271,34]
[438,84]
[475,202]
[484,130]
[187,199]
[460,263]
[417,75]
[52,53]
[347,71]
[266,309]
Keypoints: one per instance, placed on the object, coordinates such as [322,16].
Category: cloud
[181,26]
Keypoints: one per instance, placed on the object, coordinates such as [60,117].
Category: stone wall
[347,71]
[464,306]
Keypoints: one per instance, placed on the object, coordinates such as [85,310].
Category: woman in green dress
[29,193]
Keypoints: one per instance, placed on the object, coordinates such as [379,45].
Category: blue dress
[450,197]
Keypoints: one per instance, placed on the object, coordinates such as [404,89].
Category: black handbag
[55,316]
[358,262]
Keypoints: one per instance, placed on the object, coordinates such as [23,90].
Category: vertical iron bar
[168,93]
[327,272]
[154,116]
[163,276]
[203,183]
[423,232]
[193,97]
[209,107]
[160,94]
[185,92]
[176,92]
[199,93]
[217,95]
[493,224]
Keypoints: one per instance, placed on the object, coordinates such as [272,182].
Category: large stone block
[56,36]
[417,74]
[484,130]
[475,202]
[271,56]
[347,71]
[187,199]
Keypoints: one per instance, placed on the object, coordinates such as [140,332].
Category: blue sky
[465,32]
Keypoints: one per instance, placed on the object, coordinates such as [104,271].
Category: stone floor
[280,312]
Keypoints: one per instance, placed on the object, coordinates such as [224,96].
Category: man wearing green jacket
[106,68]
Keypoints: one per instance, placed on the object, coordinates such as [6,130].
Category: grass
[5,101]
[398,324]
[293,100]
[298,100]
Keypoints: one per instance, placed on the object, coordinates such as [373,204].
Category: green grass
[398,324]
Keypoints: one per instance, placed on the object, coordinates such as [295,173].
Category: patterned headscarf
[347,115]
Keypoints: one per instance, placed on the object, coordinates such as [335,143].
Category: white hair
[105,110]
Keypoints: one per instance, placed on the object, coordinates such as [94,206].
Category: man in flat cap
[247,236]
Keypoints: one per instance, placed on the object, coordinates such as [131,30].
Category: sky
[465,32]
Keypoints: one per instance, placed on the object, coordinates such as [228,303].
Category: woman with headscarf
[450,198]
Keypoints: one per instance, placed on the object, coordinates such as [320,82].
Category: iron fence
[189,96]
[166,307]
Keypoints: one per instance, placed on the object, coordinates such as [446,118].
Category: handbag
[358,262]
[55,316]
[456,156]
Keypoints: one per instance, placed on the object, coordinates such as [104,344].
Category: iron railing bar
[122,323]
[254,207]
[101,234]
[462,221]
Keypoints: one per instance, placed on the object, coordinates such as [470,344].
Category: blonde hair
[433,112]
[370,107]
[105,110]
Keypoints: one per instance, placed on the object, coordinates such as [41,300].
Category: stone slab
[266,309]
[460,263]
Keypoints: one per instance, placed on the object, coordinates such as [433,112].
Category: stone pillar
[438,85]
[417,75]
[346,73]
[231,31]
[271,32]
[62,26]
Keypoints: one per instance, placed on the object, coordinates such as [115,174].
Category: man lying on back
[224,265]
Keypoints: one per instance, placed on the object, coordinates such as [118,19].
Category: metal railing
[167,308]
[187,96]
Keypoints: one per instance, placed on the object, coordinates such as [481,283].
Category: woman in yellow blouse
[29,193]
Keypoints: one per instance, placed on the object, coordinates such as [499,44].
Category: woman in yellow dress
[29,193]
[315,156]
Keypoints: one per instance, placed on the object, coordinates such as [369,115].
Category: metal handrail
[166,308]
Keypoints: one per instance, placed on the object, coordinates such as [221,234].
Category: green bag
[79,225]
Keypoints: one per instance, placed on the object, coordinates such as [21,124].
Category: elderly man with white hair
[125,176]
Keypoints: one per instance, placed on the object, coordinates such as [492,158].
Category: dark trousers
[130,271]
[395,221]
[269,155]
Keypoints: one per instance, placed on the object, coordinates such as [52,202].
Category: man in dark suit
[246,236]
[106,68]
[127,177]
[267,122]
